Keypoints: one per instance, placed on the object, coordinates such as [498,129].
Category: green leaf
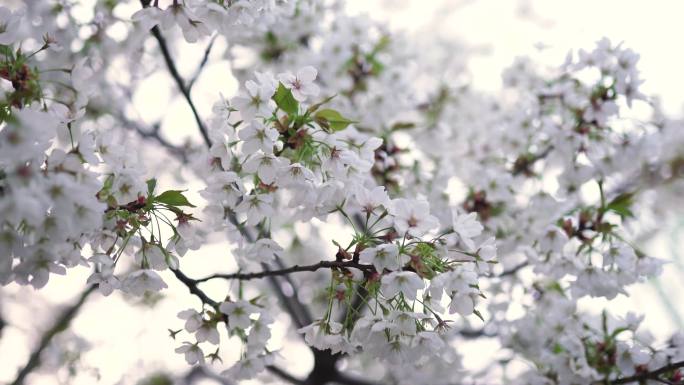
[151,184]
[108,183]
[173,198]
[333,119]
[285,101]
[621,205]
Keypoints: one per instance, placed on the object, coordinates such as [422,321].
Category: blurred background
[127,339]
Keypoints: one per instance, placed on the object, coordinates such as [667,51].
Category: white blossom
[302,83]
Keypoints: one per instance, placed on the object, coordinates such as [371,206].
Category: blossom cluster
[67,186]
[277,142]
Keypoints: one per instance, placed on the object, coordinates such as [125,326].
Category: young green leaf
[151,184]
[285,101]
[333,119]
[621,205]
[173,198]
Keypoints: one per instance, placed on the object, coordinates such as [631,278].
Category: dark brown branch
[292,304]
[60,325]
[280,373]
[202,64]
[345,379]
[513,270]
[641,377]
[180,82]
[524,164]
[3,323]
[299,313]
[191,284]
[290,270]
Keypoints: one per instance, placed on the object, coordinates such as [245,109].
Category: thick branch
[60,325]
[345,379]
[282,374]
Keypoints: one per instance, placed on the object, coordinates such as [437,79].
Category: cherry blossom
[238,313]
[412,217]
[404,282]
[302,83]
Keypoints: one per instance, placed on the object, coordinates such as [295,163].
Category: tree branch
[180,82]
[292,304]
[192,286]
[296,310]
[346,379]
[280,373]
[513,270]
[303,311]
[202,64]
[652,375]
[291,269]
[60,325]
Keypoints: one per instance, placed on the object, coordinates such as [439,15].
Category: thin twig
[202,64]
[181,83]
[291,269]
[296,310]
[191,284]
[513,270]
